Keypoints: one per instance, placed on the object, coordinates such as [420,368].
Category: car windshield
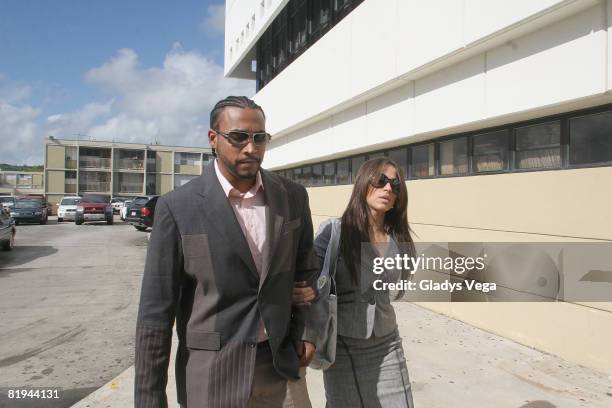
[27,204]
[70,201]
[100,199]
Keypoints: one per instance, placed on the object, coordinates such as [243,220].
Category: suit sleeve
[158,300]
[306,269]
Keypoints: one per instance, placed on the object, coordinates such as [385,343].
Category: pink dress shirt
[251,212]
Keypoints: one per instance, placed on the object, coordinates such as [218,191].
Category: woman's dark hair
[356,217]
[233,101]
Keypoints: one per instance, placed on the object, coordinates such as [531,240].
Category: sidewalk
[451,364]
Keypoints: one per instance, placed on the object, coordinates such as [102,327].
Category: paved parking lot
[68,301]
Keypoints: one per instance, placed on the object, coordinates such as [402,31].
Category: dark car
[30,210]
[141,211]
[7,230]
[94,207]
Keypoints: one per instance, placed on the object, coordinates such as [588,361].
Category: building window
[320,18]
[590,139]
[490,151]
[454,156]
[343,175]
[423,161]
[307,176]
[329,173]
[297,27]
[400,156]
[187,159]
[538,146]
[356,163]
[317,175]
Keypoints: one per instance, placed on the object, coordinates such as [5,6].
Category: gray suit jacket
[362,311]
[200,271]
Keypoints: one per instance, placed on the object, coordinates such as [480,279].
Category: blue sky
[125,70]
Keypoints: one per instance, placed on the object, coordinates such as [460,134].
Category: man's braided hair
[231,101]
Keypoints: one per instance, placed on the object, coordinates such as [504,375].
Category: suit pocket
[291,225]
[199,340]
[195,245]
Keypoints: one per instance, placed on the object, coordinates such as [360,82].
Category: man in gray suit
[223,256]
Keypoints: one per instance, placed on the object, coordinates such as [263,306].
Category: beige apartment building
[21,182]
[74,167]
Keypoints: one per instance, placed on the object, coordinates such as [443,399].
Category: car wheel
[139,228]
[60,219]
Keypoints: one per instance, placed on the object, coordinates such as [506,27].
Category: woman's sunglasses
[240,138]
[383,180]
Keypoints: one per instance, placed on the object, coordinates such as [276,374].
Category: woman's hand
[302,295]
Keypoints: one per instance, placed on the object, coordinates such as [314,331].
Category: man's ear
[212,139]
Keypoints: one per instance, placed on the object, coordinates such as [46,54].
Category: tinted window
[538,146]
[70,201]
[356,163]
[95,199]
[490,151]
[317,175]
[399,156]
[422,161]
[454,157]
[140,201]
[591,139]
[27,204]
[329,173]
[342,172]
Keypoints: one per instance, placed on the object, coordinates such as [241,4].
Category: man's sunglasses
[383,180]
[240,138]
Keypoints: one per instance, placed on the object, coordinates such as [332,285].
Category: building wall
[55,181]
[395,72]
[554,68]
[56,157]
[545,206]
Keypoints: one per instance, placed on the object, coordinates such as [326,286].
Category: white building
[499,111]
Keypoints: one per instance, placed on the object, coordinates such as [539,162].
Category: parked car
[67,208]
[117,204]
[7,202]
[124,209]
[141,212]
[30,210]
[94,207]
[7,230]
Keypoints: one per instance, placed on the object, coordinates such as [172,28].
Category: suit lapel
[218,211]
[278,213]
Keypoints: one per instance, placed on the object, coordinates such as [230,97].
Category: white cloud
[21,142]
[170,103]
[214,21]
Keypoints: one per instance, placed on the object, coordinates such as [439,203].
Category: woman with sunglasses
[370,368]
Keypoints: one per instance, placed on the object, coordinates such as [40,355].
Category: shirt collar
[232,192]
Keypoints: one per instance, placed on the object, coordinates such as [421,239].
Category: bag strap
[331,255]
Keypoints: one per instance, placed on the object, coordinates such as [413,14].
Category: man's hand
[302,295]
[305,351]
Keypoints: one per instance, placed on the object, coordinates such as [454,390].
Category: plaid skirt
[368,373]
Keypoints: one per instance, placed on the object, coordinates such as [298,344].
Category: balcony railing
[130,164]
[95,187]
[130,188]
[88,162]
